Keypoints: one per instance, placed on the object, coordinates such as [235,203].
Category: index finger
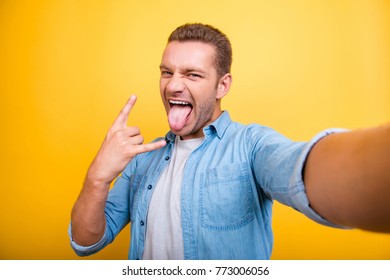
[121,119]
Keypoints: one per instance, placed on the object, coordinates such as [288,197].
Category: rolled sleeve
[299,199]
[83,251]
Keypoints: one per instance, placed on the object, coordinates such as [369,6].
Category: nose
[175,84]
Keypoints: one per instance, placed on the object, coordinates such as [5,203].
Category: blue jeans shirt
[229,184]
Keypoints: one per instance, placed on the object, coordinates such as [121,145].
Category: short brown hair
[210,35]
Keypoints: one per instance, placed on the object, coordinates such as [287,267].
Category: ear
[223,86]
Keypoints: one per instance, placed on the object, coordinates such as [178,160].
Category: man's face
[189,87]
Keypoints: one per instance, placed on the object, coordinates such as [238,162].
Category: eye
[166,73]
[194,75]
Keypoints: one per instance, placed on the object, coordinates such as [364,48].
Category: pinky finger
[144,148]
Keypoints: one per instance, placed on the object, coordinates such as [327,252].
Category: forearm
[347,178]
[88,218]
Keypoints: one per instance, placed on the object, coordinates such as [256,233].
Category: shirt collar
[219,127]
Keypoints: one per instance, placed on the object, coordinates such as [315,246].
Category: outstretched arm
[120,146]
[347,178]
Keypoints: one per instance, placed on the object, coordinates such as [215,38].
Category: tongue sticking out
[178,116]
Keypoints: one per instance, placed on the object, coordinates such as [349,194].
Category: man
[205,191]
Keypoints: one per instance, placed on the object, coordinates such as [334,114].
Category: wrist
[96,187]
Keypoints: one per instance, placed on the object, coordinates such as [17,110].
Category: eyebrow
[191,69]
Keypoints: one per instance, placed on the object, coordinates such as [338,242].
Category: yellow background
[67,67]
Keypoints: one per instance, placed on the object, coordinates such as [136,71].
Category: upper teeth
[178,102]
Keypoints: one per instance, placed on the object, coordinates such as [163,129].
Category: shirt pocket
[226,197]
[136,183]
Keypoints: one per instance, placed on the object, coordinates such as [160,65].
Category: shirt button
[149,187]
[142,223]
[167,158]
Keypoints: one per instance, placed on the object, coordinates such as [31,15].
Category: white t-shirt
[164,237]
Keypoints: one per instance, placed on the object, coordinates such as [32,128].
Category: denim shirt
[229,184]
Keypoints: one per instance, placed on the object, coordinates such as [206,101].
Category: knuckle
[118,134]
[110,132]
[128,150]
[135,130]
